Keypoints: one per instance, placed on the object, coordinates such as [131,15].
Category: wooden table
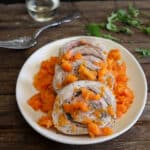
[15,133]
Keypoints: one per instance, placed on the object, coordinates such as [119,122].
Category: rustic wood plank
[20,139]
[98,5]
[24,129]
[138,3]
[145,5]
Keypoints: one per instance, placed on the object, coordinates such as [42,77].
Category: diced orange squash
[94,129]
[45,121]
[119,114]
[97,113]
[85,93]
[114,54]
[70,78]
[35,102]
[101,73]
[47,99]
[121,78]
[87,74]
[45,74]
[67,55]
[107,131]
[109,81]
[62,120]
[79,105]
[97,97]
[89,95]
[77,56]
[68,108]
[110,110]
[59,85]
[67,66]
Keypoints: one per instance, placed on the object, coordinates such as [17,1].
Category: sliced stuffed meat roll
[86,42]
[81,105]
[78,61]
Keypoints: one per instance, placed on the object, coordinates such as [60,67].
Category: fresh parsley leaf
[111,27]
[122,15]
[134,22]
[146,30]
[93,29]
[112,18]
[143,51]
[126,30]
[125,17]
[109,36]
[134,12]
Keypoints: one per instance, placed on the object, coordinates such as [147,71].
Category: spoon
[27,42]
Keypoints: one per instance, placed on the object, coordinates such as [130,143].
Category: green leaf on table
[109,36]
[134,12]
[112,18]
[146,30]
[111,27]
[126,30]
[122,15]
[135,22]
[143,51]
[125,17]
[93,29]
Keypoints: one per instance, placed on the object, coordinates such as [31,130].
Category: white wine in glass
[42,10]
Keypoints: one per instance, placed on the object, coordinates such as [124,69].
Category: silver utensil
[27,42]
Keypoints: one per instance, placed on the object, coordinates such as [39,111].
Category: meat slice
[60,74]
[87,50]
[70,95]
[83,41]
[92,52]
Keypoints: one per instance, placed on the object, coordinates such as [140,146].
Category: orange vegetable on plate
[35,101]
[66,65]
[87,74]
[45,121]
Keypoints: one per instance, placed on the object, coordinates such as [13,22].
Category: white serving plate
[25,89]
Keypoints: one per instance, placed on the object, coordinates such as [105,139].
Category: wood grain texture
[15,133]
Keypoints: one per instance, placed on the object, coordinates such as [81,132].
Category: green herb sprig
[119,21]
[143,51]
[95,30]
